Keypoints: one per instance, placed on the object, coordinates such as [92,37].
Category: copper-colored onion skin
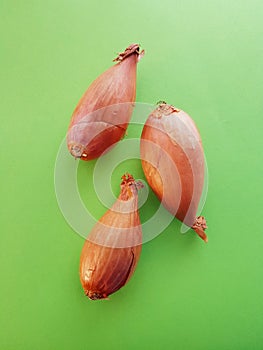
[104,111]
[173,163]
[112,249]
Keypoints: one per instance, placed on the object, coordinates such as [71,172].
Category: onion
[102,114]
[112,249]
[173,163]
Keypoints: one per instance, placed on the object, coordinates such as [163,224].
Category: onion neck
[129,187]
[199,227]
[132,49]
[164,109]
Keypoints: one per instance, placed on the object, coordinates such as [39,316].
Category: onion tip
[133,48]
[96,296]
[76,150]
[199,227]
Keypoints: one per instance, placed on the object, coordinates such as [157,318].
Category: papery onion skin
[112,249]
[173,163]
[95,124]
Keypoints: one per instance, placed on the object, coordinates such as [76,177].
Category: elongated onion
[112,249]
[173,163]
[104,111]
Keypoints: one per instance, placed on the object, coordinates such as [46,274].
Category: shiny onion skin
[173,163]
[104,111]
[112,249]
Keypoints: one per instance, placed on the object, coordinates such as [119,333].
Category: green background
[202,56]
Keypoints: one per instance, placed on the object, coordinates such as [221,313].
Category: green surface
[202,56]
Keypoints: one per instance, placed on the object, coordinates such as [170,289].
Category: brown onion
[104,111]
[112,249]
[173,163]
